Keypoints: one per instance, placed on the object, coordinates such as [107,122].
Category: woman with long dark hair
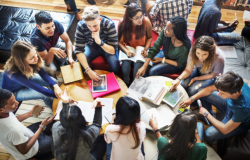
[184,141]
[126,133]
[173,57]
[73,138]
[133,30]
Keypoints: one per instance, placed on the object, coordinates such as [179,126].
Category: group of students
[30,66]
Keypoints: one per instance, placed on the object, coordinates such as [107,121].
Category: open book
[87,109]
[137,51]
[172,98]
[72,74]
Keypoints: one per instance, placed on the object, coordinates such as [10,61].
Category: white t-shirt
[13,132]
[122,144]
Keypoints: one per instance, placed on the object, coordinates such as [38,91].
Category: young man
[22,142]
[160,11]
[208,24]
[45,37]
[96,36]
[232,97]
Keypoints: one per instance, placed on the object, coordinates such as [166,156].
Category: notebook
[112,86]
[71,74]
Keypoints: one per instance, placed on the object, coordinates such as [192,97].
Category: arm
[171,62]
[69,46]
[98,116]
[149,34]
[203,77]
[28,114]
[154,124]
[47,56]
[197,136]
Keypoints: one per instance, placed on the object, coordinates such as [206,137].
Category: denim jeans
[109,149]
[93,51]
[226,36]
[126,68]
[200,129]
[194,88]
[72,5]
[99,148]
[29,94]
[212,134]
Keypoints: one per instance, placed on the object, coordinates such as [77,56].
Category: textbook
[172,98]
[71,74]
[137,51]
[87,109]
[112,86]
[152,91]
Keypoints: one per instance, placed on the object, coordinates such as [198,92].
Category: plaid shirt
[163,10]
[84,36]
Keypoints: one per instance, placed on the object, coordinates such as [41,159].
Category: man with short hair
[22,142]
[232,97]
[160,11]
[45,38]
[96,36]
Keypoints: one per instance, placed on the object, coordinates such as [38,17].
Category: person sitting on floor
[185,138]
[71,7]
[19,76]
[20,141]
[160,11]
[205,62]
[133,30]
[73,138]
[208,24]
[231,96]
[126,133]
[96,36]
[173,56]
[45,38]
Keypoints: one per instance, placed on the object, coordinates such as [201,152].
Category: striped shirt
[163,10]
[84,36]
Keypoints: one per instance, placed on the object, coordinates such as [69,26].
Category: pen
[235,17]
[199,103]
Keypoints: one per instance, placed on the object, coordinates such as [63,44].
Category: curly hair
[205,43]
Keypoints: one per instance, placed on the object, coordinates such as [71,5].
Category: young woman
[205,62]
[133,30]
[176,45]
[184,141]
[19,76]
[73,138]
[126,133]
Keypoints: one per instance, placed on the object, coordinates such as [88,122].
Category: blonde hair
[205,43]
[90,13]
[16,62]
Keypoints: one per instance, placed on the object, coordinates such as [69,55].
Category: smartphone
[37,111]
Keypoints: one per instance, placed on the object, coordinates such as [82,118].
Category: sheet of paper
[229,51]
[108,116]
[246,15]
[108,104]
[123,56]
[139,87]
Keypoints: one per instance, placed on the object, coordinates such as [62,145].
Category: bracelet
[163,60]
[155,131]
[43,127]
[178,78]
[192,99]
[86,70]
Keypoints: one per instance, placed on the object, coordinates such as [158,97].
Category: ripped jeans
[194,88]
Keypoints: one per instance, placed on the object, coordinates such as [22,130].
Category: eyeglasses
[139,18]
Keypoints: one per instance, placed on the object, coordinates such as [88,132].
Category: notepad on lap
[71,74]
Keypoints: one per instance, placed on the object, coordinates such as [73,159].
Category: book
[172,98]
[137,51]
[152,91]
[87,109]
[72,74]
[112,86]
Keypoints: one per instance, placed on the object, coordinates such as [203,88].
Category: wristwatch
[155,131]
[205,114]
[102,43]
[43,127]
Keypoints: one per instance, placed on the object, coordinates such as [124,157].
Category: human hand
[144,53]
[48,120]
[93,75]
[97,104]
[71,62]
[57,52]
[96,37]
[192,81]
[57,90]
[130,53]
[156,60]
[175,83]
[186,103]
[202,110]
[33,109]
[153,122]
[140,72]
[233,24]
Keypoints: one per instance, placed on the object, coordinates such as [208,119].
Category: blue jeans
[72,5]
[109,148]
[226,36]
[29,94]
[200,129]
[93,51]
[126,68]
[212,134]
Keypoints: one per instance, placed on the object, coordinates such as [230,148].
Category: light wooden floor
[114,11]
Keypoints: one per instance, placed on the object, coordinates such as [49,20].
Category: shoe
[69,10]
[92,2]
[126,4]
